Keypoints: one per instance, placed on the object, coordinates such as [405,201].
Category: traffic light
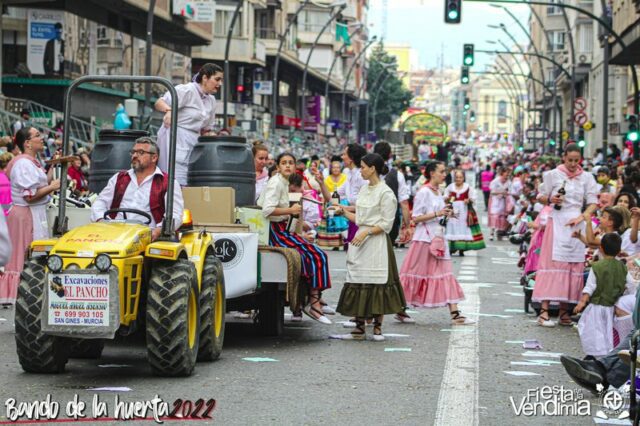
[472,116]
[581,142]
[467,57]
[632,133]
[467,103]
[464,75]
[552,142]
[452,11]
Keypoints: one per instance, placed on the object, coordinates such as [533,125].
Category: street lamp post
[333,64]
[276,66]
[346,80]
[303,106]
[225,86]
[384,72]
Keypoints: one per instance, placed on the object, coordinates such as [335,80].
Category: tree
[394,98]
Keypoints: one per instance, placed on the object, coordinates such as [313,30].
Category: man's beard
[136,166]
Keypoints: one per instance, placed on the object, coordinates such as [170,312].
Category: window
[557,40]
[502,109]
[102,38]
[312,21]
[554,10]
[585,38]
[222,22]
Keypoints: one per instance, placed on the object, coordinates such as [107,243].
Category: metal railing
[82,133]
[8,118]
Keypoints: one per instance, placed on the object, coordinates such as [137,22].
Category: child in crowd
[606,283]
[311,212]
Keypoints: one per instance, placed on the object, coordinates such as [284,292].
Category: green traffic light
[552,142]
[467,60]
[633,136]
[581,144]
[465,79]
[453,14]
[520,148]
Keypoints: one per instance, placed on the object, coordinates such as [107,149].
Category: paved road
[436,375]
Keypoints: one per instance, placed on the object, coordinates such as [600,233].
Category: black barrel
[110,155]
[224,161]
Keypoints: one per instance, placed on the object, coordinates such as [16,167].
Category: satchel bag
[438,245]
[472,216]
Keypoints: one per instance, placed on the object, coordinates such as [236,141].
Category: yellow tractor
[91,283]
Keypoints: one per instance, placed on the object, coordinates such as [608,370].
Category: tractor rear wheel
[37,352]
[86,348]
[212,309]
[172,318]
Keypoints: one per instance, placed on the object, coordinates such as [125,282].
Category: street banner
[314,110]
[197,11]
[45,43]
[263,87]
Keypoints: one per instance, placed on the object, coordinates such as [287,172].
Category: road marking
[467,278]
[458,398]
[469,261]
[504,261]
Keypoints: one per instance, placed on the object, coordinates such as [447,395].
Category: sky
[421,24]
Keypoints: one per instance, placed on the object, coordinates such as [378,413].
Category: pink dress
[533,257]
[428,282]
[26,221]
[5,193]
[560,275]
[498,204]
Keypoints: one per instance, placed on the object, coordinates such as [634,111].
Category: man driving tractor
[143,187]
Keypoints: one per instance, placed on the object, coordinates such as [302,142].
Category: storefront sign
[45,43]
[263,87]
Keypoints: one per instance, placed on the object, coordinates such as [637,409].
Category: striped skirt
[315,265]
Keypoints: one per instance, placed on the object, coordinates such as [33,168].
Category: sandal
[313,313]
[458,319]
[545,322]
[357,334]
[377,331]
[562,319]
[404,318]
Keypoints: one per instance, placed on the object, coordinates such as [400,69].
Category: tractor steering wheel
[124,214]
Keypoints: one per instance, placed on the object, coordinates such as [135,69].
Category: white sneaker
[328,310]
[349,336]
[296,318]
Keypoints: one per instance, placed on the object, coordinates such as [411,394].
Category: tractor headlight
[103,262]
[54,263]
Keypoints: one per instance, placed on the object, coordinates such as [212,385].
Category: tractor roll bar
[60,224]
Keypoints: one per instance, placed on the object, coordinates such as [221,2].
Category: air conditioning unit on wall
[584,58]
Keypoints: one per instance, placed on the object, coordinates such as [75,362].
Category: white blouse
[275,195]
[196,108]
[578,190]
[376,206]
[354,183]
[26,178]
[427,202]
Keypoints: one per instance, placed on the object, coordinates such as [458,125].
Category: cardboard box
[210,204]
[224,227]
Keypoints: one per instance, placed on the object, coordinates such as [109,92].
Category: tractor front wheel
[172,318]
[37,352]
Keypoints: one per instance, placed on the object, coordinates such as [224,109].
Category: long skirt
[476,243]
[497,220]
[556,281]
[20,224]
[187,139]
[428,282]
[369,300]
[315,264]
[596,330]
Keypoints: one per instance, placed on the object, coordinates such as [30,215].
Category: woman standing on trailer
[275,207]
[196,117]
[560,275]
[27,219]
